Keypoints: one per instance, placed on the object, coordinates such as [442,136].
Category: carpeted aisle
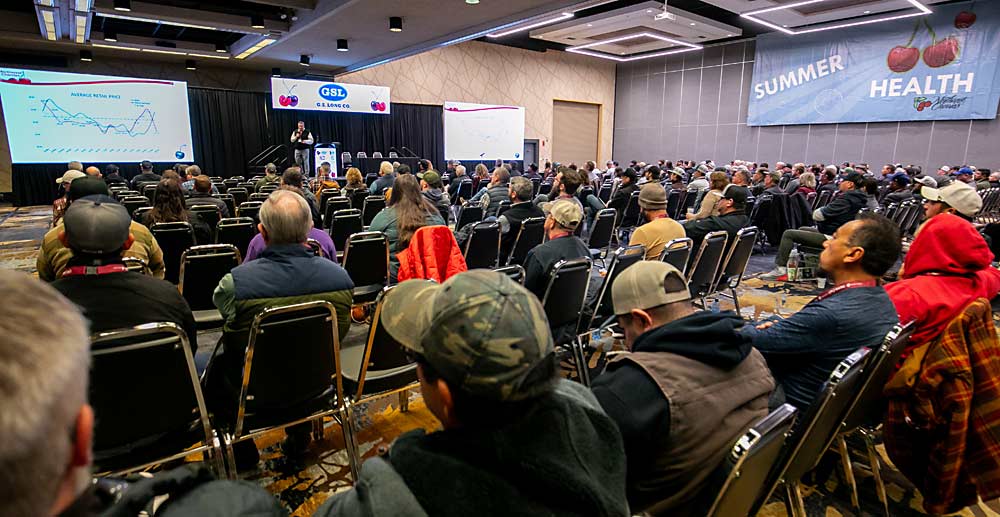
[303,486]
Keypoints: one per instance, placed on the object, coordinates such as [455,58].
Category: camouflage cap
[483,332]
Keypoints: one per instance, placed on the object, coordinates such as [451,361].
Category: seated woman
[354,179]
[709,202]
[407,211]
[169,207]
[807,183]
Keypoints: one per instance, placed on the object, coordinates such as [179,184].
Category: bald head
[93,172]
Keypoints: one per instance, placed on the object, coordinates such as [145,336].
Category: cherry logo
[378,106]
[921,103]
[941,53]
[903,59]
[290,100]
[964,20]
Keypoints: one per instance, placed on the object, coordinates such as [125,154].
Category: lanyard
[661,216]
[843,287]
[94,270]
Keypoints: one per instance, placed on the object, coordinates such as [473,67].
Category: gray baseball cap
[96,225]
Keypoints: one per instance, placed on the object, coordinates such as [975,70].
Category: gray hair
[502,174]
[460,170]
[522,188]
[286,217]
[75,166]
[271,168]
[43,385]
[807,179]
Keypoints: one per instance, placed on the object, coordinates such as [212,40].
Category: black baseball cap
[856,178]
[736,193]
[96,225]
[89,186]
[630,172]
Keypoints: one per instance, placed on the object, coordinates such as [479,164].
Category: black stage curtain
[229,127]
[416,126]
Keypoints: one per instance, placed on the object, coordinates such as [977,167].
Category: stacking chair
[147,397]
[752,457]
[366,259]
[251,185]
[230,183]
[202,267]
[230,202]
[209,214]
[735,264]
[600,234]
[379,368]
[373,205]
[131,203]
[149,191]
[536,184]
[343,224]
[544,188]
[464,191]
[531,234]
[691,199]
[675,200]
[377,154]
[238,231]
[334,205]
[240,196]
[822,199]
[289,381]
[563,302]
[370,178]
[136,265]
[357,197]
[630,217]
[705,268]
[267,188]
[482,250]
[140,213]
[325,196]
[468,213]
[677,252]
[250,209]
[174,239]
[515,272]
[621,259]
[393,154]
[504,206]
[815,431]
[259,196]
[345,159]
[866,413]
[361,154]
[604,194]
[220,187]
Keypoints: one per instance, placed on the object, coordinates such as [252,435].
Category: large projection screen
[483,132]
[56,117]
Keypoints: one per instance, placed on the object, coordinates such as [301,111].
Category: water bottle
[793,264]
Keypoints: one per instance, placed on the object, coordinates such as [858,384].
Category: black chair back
[675,200]
[259,196]
[677,252]
[140,213]
[334,205]
[735,263]
[343,224]
[370,178]
[531,234]
[482,250]
[202,267]
[464,191]
[149,190]
[819,425]
[137,405]
[604,227]
[209,214]
[504,206]
[174,239]
[238,231]
[279,373]
[752,458]
[632,212]
[250,209]
[357,197]
[131,203]
[373,205]
[240,196]
[545,187]
[366,258]
[267,188]
[605,193]
[383,356]
[230,202]
[468,213]
[230,183]
[881,366]
[690,198]
[515,272]
[325,196]
[566,292]
[705,267]
[621,259]
[822,199]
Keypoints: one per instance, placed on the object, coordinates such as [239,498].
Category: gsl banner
[942,66]
[298,94]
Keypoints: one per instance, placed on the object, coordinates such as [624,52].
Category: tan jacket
[53,256]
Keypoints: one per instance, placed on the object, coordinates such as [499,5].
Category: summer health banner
[300,94]
[942,66]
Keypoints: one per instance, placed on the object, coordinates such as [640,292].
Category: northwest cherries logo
[921,103]
[939,53]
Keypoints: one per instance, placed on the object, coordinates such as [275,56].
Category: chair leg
[217,457]
[580,358]
[350,443]
[404,401]
[227,443]
[793,499]
[317,429]
[845,462]
[736,300]
[873,460]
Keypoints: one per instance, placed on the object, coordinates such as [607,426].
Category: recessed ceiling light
[86,55]
[784,26]
[395,24]
[519,28]
[123,5]
[729,35]
[472,2]
[922,10]
[590,25]
[190,64]
[341,45]
[221,47]
[110,35]
[693,24]
[257,21]
[582,49]
[649,10]
[275,72]
[868,12]
[304,60]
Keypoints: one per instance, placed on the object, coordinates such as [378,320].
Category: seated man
[286,272]
[53,255]
[326,244]
[619,200]
[292,179]
[659,228]
[561,218]
[515,440]
[433,189]
[97,230]
[732,217]
[946,269]
[270,177]
[202,195]
[191,173]
[899,188]
[828,218]
[698,179]
[803,349]
[956,198]
[146,175]
[521,208]
[673,441]
[771,182]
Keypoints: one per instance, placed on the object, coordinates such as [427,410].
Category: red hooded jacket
[433,254]
[946,269]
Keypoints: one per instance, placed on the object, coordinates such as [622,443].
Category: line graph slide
[56,117]
[483,132]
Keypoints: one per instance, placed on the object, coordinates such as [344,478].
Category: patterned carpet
[303,486]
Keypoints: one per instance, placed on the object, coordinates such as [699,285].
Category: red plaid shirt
[943,425]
